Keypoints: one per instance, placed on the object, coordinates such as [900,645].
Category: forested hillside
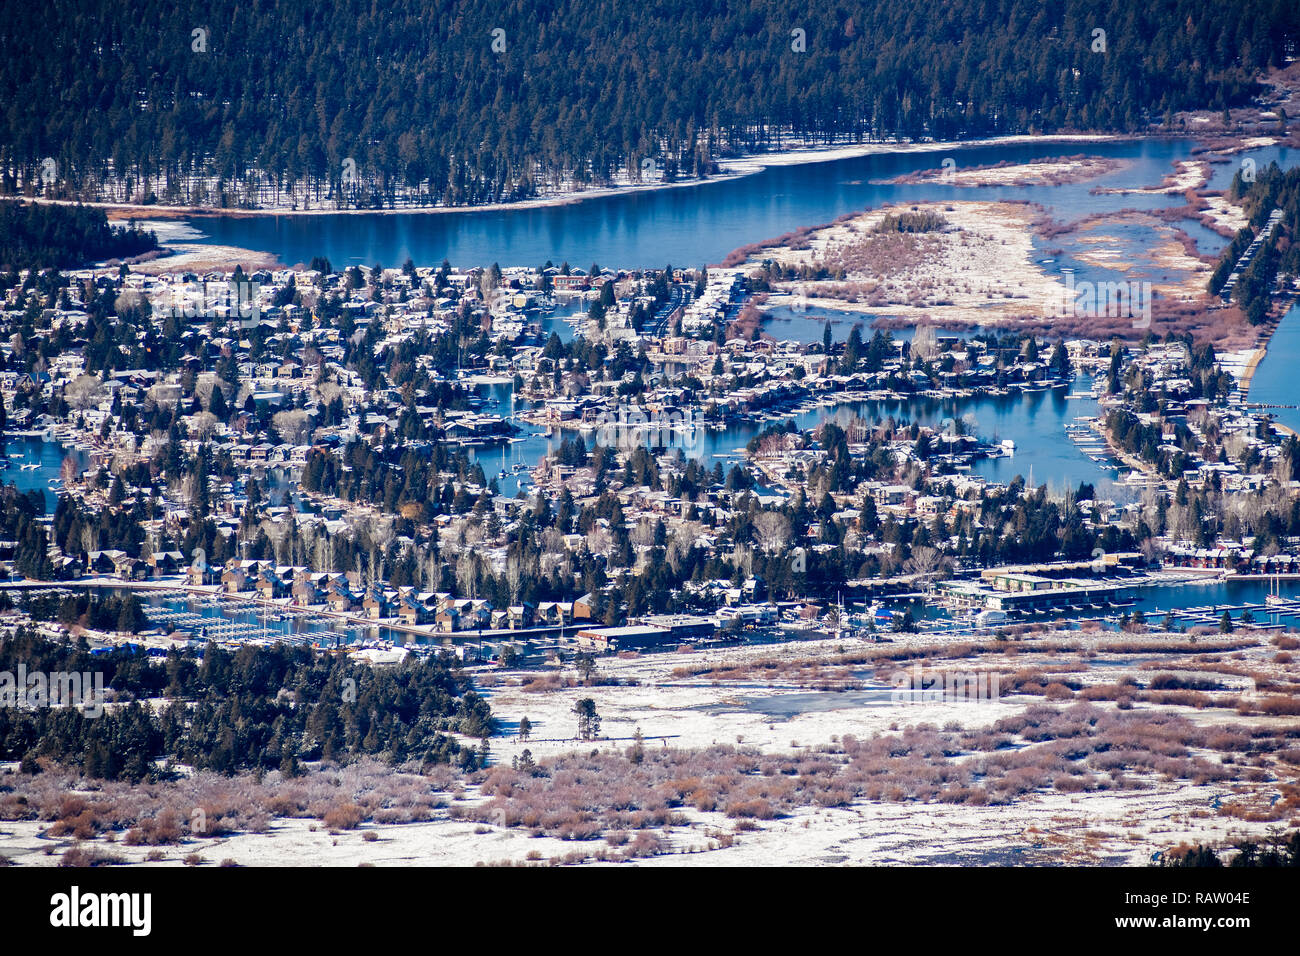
[464,102]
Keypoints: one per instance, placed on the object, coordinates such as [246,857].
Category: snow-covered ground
[1123,828]
[768,698]
[276,202]
[980,270]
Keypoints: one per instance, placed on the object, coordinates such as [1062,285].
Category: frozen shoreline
[732,169]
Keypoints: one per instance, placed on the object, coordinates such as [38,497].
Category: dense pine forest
[448,101]
[38,236]
[1279,852]
[228,711]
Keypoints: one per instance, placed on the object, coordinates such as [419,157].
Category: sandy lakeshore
[203,257]
[980,269]
[1186,175]
[1044,172]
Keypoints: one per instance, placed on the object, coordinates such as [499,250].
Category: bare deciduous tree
[924,561]
[925,342]
[204,425]
[643,535]
[773,531]
[293,425]
[599,540]
[83,392]
[467,574]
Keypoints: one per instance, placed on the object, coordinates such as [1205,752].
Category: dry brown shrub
[759,809]
[1166,681]
[1069,784]
[83,856]
[543,683]
[1104,692]
[705,801]
[1251,814]
[79,826]
[1280,706]
[162,829]
[1179,698]
[1229,741]
[644,844]
[284,805]
[343,816]
[15,806]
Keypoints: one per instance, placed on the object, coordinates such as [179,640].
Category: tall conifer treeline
[469,102]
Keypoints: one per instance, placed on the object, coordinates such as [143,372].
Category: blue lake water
[808,325]
[49,455]
[1154,601]
[1275,381]
[700,224]
[1035,422]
